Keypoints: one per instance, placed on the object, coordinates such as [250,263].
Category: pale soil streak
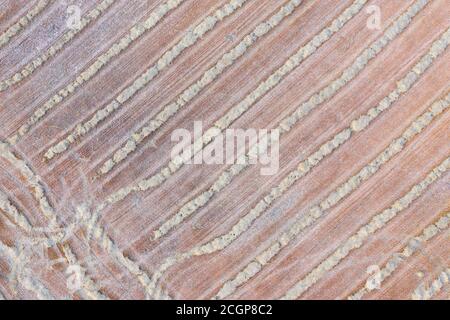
[436,286]
[235,112]
[196,88]
[219,243]
[55,48]
[333,198]
[133,34]
[40,195]
[191,38]
[376,223]
[304,109]
[414,244]
[23,22]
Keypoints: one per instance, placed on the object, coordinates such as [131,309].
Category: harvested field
[347,197]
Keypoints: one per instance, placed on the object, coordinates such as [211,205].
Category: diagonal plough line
[133,34]
[303,110]
[436,286]
[188,40]
[98,232]
[306,166]
[55,48]
[376,223]
[234,113]
[333,198]
[221,242]
[196,88]
[413,245]
[151,289]
[23,22]
[16,261]
[34,181]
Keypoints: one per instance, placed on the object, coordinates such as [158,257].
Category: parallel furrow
[133,34]
[219,243]
[287,123]
[234,113]
[57,47]
[191,38]
[376,223]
